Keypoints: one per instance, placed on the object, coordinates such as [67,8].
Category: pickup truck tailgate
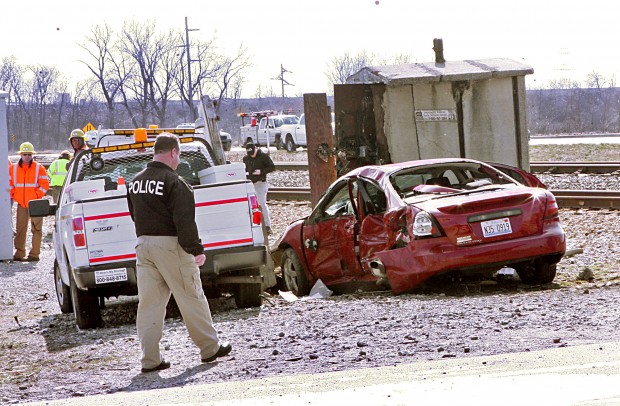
[110,232]
[223,215]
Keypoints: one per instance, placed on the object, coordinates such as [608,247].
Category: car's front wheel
[537,273]
[294,274]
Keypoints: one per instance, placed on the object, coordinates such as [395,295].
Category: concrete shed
[472,108]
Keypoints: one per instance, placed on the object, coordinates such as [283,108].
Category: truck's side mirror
[41,208]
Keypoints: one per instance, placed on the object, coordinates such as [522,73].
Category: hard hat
[77,133]
[65,153]
[26,148]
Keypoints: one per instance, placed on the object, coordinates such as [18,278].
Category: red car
[397,225]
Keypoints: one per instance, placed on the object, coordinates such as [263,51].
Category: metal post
[6,217]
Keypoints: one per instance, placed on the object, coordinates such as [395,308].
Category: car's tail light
[79,238]
[424,225]
[257,215]
[552,211]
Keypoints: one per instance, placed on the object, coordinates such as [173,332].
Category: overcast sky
[567,39]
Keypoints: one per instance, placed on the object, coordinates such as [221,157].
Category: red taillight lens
[257,215]
[79,239]
[552,211]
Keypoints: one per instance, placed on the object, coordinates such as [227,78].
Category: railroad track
[573,199]
[536,167]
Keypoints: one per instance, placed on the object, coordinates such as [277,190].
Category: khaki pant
[21,231]
[56,193]
[164,267]
[261,194]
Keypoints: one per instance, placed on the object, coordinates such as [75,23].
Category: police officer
[57,172]
[169,253]
[28,181]
[257,166]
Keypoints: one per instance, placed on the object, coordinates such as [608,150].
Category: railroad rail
[569,199]
[605,167]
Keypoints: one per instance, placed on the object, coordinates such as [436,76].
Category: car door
[373,233]
[329,235]
[262,133]
[300,131]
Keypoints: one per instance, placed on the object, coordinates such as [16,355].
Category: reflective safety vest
[28,182]
[58,172]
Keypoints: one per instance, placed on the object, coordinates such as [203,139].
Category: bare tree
[148,85]
[100,47]
[341,67]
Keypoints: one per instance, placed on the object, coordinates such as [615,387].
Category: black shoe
[163,365]
[32,258]
[223,351]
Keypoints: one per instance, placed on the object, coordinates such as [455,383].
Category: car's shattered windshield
[446,179]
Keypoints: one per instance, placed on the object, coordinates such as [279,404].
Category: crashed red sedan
[397,225]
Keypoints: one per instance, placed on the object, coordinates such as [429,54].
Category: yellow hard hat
[77,133]
[26,148]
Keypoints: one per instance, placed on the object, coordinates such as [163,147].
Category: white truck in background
[294,135]
[94,235]
[265,128]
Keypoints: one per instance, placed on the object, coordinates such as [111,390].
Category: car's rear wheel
[290,145]
[85,307]
[294,274]
[538,273]
[63,292]
[279,143]
[249,294]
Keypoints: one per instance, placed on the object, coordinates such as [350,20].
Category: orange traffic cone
[120,185]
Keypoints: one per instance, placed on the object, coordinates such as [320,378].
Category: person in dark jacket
[257,166]
[169,252]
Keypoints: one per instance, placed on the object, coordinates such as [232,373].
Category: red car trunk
[488,216]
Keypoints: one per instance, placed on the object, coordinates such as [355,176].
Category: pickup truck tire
[294,274]
[63,292]
[85,307]
[279,143]
[248,294]
[290,145]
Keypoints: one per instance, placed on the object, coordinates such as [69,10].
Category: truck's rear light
[79,239]
[257,215]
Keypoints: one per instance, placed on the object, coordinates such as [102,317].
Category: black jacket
[162,203]
[261,161]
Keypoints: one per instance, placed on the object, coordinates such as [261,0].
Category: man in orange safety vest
[28,181]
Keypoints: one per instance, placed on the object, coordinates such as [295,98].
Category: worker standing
[28,181]
[257,166]
[78,141]
[57,173]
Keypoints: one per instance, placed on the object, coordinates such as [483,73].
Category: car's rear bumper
[85,278]
[409,266]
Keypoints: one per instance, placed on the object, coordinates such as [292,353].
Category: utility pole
[281,78]
[190,92]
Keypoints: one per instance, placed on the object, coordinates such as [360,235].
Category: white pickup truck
[267,131]
[294,135]
[94,235]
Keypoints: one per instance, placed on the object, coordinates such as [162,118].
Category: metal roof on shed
[412,73]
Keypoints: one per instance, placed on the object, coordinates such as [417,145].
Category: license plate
[493,228]
[111,275]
